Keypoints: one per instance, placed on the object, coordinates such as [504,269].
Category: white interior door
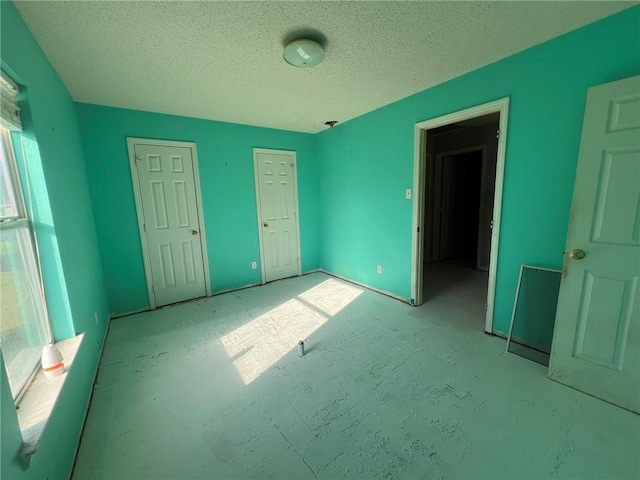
[596,343]
[171,223]
[277,199]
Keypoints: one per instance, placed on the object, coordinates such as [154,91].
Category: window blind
[9,110]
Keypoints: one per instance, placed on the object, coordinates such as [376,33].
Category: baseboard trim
[258,284]
[90,399]
[229,290]
[368,287]
[114,316]
[315,270]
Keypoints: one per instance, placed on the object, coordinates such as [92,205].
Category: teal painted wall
[366,163]
[225,162]
[351,188]
[68,247]
[10,435]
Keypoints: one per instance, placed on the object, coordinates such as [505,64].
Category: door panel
[277,212]
[596,346]
[615,219]
[171,221]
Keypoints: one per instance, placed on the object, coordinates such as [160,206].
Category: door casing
[419,183]
[256,152]
[131,142]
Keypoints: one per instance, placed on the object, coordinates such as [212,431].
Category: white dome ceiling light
[303,53]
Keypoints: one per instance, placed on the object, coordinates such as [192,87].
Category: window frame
[22,223]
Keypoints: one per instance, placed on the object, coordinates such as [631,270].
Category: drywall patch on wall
[366,163]
[225,161]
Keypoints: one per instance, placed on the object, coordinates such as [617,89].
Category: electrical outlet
[407,194]
[379,268]
[96,317]
[254,265]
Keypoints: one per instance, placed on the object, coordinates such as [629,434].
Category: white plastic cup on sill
[52,361]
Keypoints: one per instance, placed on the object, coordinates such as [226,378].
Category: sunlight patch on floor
[331,296]
[259,344]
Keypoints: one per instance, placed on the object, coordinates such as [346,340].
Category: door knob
[194,232]
[265,225]
[577,254]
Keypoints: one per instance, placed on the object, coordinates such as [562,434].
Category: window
[24,326]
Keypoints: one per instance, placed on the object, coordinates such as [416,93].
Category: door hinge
[418,229]
[491,225]
[486,306]
[498,134]
[144,226]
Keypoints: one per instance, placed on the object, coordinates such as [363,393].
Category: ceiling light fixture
[303,53]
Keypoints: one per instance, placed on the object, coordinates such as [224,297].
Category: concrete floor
[215,389]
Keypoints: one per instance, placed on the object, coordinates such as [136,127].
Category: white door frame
[257,151]
[131,142]
[420,148]
[476,148]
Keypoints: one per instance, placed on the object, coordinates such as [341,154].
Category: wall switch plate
[407,194]
[379,268]
[254,265]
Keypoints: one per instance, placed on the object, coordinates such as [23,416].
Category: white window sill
[35,407]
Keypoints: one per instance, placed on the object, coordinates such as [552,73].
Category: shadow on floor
[455,279]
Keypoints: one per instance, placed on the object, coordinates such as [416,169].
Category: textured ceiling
[223,60]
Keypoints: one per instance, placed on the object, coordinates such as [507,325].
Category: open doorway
[458,191]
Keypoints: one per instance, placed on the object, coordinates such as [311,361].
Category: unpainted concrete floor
[214,388]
